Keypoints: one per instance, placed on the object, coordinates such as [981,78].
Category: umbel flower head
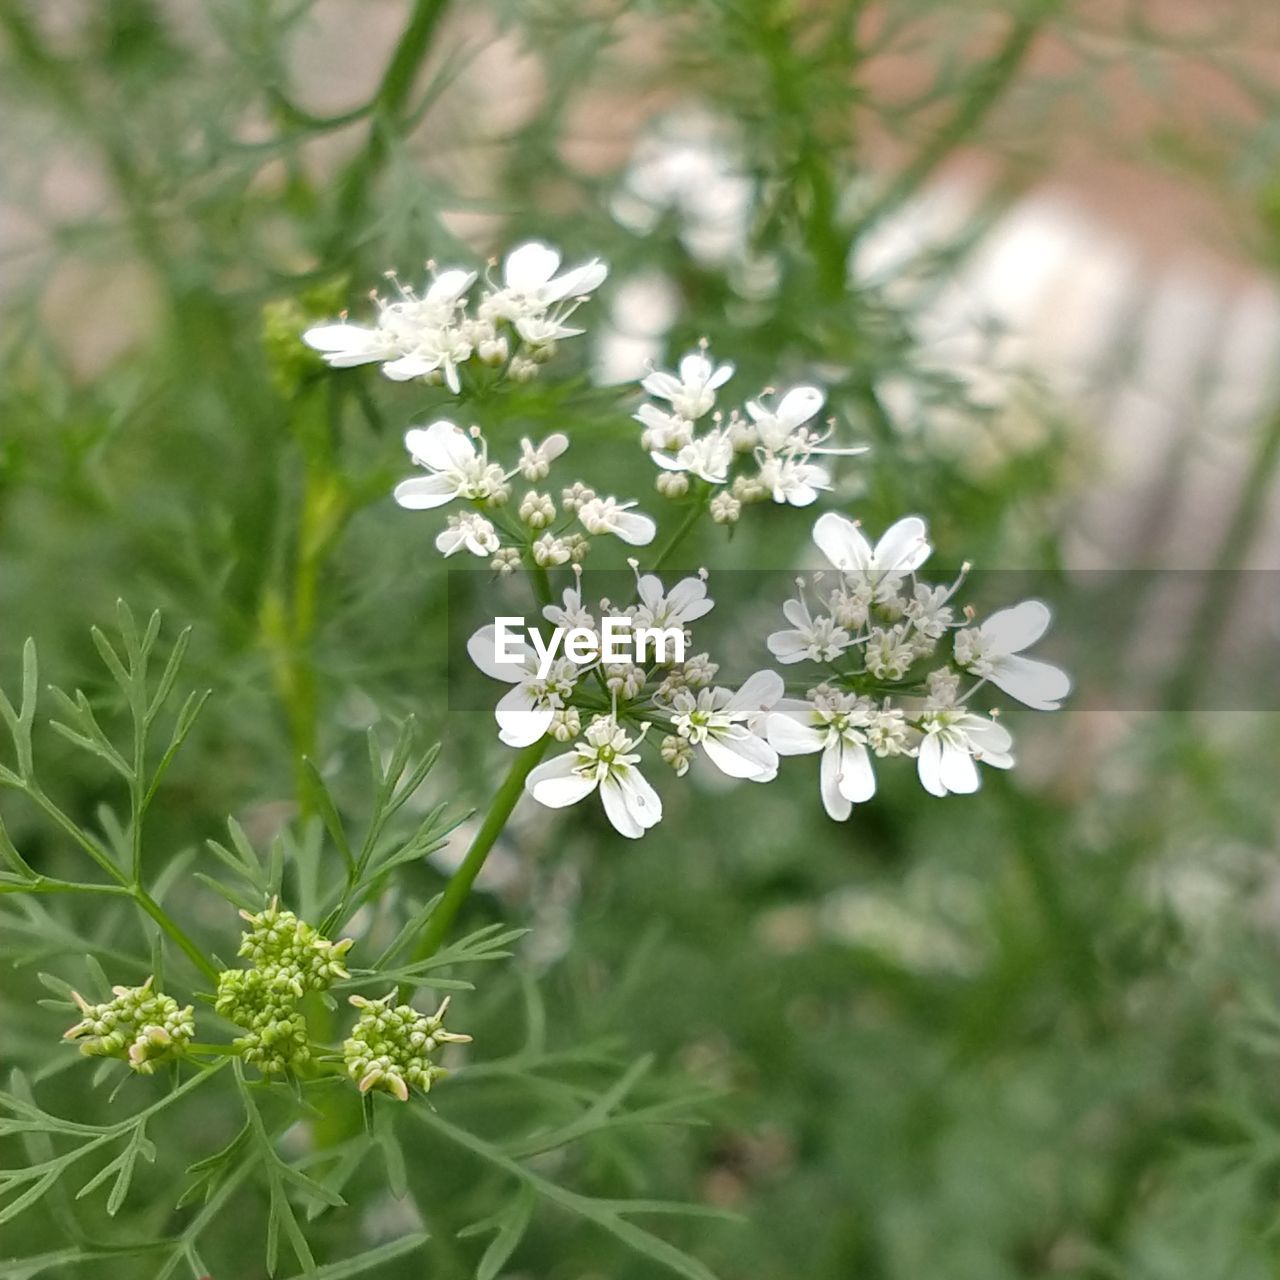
[288,958]
[390,1046]
[275,1038]
[140,1025]
[289,953]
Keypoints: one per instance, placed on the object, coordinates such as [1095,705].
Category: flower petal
[482,649]
[441,446]
[788,646]
[556,784]
[799,405]
[1036,684]
[422,493]
[788,737]
[522,728]
[957,770]
[528,267]
[836,805]
[410,366]
[577,281]
[635,529]
[857,780]
[929,765]
[617,809]
[841,541]
[450,285]
[904,546]
[1016,628]
[741,756]
[758,693]
[643,802]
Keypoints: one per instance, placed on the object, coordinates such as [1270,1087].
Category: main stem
[459,886]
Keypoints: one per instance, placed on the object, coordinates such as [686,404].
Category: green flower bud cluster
[141,1026]
[289,958]
[390,1046]
[290,954]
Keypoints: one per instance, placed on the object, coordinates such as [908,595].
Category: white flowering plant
[891,652]
[788,939]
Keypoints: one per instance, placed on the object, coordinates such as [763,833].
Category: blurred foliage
[1028,1033]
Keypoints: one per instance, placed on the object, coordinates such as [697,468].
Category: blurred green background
[1029,246]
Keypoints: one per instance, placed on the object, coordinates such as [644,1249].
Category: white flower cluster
[607,709]
[459,469]
[766,453]
[514,326]
[890,687]
[894,655]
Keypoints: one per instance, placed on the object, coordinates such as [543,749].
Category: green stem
[387,107]
[692,516]
[459,886]
[170,926]
[985,89]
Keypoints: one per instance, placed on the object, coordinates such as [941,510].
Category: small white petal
[441,446]
[904,546]
[1036,684]
[836,805]
[758,693]
[842,542]
[422,493]
[741,757]
[635,529]
[857,780]
[482,650]
[556,784]
[790,738]
[618,810]
[528,267]
[957,771]
[1019,627]
[929,765]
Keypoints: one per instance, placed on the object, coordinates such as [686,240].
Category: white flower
[686,602]
[402,326]
[775,427]
[662,430]
[469,530]
[535,460]
[818,639]
[543,330]
[903,548]
[994,651]
[457,469]
[603,760]
[527,711]
[344,346]
[530,283]
[793,479]
[928,611]
[572,613]
[718,721]
[954,741]
[708,458]
[889,653]
[693,392]
[438,350]
[608,515]
[837,724]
